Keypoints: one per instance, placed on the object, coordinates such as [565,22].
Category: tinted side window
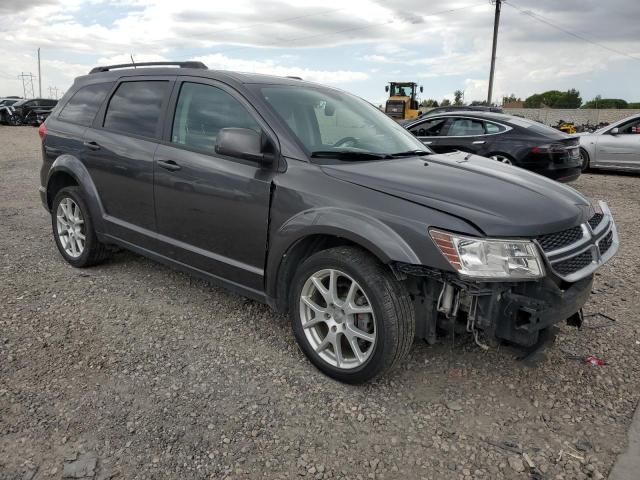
[84,104]
[430,128]
[202,111]
[632,127]
[492,127]
[135,108]
[465,127]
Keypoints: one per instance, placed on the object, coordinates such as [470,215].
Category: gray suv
[311,200]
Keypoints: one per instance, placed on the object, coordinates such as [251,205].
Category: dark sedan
[505,138]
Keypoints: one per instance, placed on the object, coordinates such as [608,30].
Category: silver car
[616,146]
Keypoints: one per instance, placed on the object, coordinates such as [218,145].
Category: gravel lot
[131,370]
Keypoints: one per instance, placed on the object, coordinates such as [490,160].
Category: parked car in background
[31,111]
[616,146]
[315,202]
[504,138]
[4,102]
[467,108]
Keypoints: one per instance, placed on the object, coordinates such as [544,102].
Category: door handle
[427,142]
[169,165]
[479,142]
[92,145]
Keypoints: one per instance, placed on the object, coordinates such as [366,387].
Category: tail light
[549,148]
[42,131]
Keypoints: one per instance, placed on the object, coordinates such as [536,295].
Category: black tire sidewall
[384,333]
[585,160]
[90,239]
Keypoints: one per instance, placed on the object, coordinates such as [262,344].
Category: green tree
[458,96]
[430,103]
[554,99]
[600,102]
[633,105]
[510,99]
[479,103]
[445,102]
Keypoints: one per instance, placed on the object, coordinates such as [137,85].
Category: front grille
[605,243]
[572,265]
[554,241]
[595,220]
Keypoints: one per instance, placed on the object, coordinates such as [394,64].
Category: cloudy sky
[358,45]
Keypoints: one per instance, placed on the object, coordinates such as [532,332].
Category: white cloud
[221,62]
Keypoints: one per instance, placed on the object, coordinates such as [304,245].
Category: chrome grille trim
[605,232]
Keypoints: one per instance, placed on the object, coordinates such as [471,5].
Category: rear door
[463,133]
[119,150]
[429,132]
[212,210]
[621,150]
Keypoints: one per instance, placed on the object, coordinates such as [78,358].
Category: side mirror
[242,143]
[614,131]
[386,88]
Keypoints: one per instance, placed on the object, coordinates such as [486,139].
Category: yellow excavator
[403,102]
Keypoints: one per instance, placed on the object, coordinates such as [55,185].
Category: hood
[500,200]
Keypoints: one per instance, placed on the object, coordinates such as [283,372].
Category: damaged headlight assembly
[490,259]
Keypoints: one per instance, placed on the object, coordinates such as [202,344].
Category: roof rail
[190,64]
[295,78]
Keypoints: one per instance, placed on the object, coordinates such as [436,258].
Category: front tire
[73,229]
[584,158]
[350,316]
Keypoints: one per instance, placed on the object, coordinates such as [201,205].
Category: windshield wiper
[411,153]
[349,155]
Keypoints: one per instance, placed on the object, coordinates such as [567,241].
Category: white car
[616,146]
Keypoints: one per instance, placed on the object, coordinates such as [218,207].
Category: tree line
[550,99]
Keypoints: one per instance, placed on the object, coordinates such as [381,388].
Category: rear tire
[370,326]
[73,230]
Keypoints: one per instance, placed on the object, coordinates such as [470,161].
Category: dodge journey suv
[311,200]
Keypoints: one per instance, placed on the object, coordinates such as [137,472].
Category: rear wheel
[350,316]
[73,229]
[502,158]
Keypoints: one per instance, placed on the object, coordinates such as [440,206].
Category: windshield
[401,90]
[329,121]
[536,127]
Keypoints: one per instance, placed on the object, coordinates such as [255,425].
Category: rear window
[84,104]
[536,127]
[136,106]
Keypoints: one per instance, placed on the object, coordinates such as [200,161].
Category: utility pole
[27,84]
[39,76]
[496,22]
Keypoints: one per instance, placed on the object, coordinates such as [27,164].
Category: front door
[429,132]
[621,150]
[212,211]
[465,134]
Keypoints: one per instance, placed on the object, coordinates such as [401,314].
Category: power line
[542,19]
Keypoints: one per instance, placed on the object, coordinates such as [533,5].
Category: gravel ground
[131,370]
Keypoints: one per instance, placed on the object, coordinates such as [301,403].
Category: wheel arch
[66,171]
[310,232]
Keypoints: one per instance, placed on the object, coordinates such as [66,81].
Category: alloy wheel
[71,227]
[501,159]
[337,319]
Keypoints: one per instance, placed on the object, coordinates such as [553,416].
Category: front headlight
[490,258]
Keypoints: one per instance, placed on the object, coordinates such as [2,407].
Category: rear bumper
[563,175]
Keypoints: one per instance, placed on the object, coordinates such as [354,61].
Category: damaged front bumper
[519,312]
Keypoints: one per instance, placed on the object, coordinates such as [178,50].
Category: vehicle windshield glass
[327,121]
[401,90]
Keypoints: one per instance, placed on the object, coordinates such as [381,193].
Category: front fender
[364,230]
[73,167]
